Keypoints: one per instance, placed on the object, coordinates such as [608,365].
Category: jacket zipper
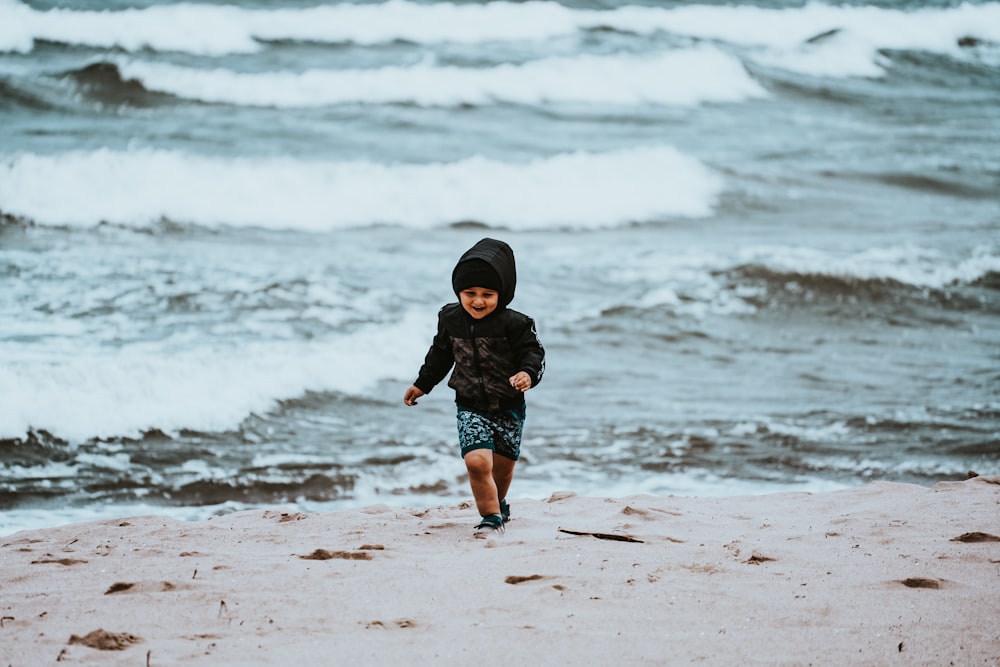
[475,358]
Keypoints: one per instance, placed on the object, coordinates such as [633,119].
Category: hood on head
[501,258]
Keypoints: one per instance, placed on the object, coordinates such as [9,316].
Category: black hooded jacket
[485,353]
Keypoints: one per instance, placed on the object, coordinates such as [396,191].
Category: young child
[496,358]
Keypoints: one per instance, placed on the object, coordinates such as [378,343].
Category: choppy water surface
[761,242]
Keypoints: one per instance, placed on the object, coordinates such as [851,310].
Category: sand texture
[884,574]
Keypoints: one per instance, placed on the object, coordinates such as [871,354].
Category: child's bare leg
[479,464]
[503,474]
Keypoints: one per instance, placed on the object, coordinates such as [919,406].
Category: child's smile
[479,302]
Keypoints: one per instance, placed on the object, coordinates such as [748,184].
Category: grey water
[756,264]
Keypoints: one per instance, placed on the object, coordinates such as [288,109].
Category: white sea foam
[781,35]
[697,274]
[14,520]
[50,473]
[821,39]
[840,55]
[120,461]
[918,266]
[683,77]
[567,190]
[272,460]
[805,432]
[76,391]
[201,29]
[582,479]
[217,30]
[865,467]
[695,284]
[701,300]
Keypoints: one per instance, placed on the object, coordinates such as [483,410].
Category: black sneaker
[504,511]
[492,524]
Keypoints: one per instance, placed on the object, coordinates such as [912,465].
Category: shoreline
[886,573]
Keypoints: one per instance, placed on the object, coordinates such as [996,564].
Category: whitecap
[569,190]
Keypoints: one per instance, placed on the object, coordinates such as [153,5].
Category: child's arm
[437,363]
[531,357]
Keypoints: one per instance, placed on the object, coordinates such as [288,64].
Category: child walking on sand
[496,358]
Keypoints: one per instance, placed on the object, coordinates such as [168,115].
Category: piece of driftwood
[602,536]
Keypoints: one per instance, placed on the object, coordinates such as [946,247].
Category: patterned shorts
[499,432]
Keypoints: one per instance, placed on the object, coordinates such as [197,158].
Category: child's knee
[479,462]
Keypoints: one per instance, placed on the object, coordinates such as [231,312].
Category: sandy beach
[881,574]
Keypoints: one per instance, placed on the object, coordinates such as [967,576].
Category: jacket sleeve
[529,351]
[439,360]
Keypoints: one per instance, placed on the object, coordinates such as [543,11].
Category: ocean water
[761,241]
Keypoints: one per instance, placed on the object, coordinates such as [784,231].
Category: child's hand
[521,381]
[411,395]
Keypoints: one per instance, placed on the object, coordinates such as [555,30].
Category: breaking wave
[577,190]
[682,77]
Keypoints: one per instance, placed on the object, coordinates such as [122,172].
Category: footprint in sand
[920,582]
[284,517]
[102,640]
[58,561]
[757,559]
[146,587]
[634,511]
[401,623]
[118,587]
[323,554]
[975,537]
[647,514]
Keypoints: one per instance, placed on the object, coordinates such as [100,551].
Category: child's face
[478,301]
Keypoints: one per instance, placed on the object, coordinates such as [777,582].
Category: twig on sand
[603,536]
